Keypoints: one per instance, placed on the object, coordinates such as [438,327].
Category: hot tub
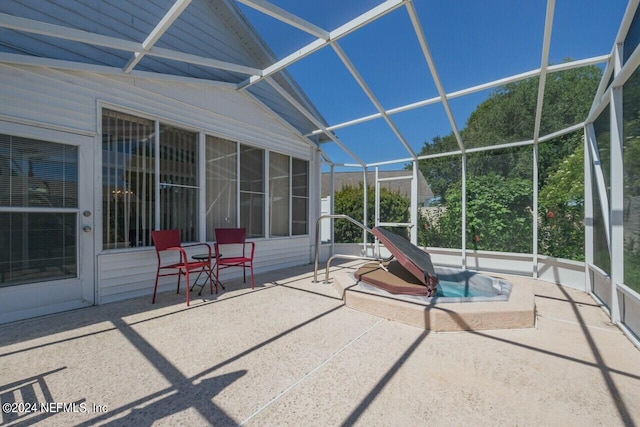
[455,285]
[412,275]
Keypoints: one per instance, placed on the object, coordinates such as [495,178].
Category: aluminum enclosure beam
[501,146]
[546,43]
[367,90]
[619,80]
[286,95]
[599,181]
[617,206]
[545,138]
[627,18]
[417,27]
[279,118]
[349,27]
[548,27]
[286,17]
[172,14]
[160,52]
[495,83]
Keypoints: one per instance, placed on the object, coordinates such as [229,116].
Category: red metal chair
[169,240]
[233,236]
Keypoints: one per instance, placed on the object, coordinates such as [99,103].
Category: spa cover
[412,258]
[392,277]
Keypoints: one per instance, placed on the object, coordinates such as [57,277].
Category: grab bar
[335,216]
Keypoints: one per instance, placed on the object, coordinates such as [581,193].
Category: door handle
[86,229]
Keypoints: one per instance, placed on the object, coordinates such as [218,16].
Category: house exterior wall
[55,99]
[128,274]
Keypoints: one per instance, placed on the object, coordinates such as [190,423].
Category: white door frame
[36,299]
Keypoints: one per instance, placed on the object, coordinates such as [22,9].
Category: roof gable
[197,40]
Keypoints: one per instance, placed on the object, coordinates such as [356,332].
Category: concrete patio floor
[290,353]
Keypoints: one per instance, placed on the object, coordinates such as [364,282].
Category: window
[288,189]
[221,185]
[299,196]
[252,197]
[278,194]
[152,182]
[179,182]
[128,177]
[129,180]
[38,211]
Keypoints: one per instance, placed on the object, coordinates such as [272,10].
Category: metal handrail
[336,216]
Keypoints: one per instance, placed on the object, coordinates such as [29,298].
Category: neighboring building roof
[402,186]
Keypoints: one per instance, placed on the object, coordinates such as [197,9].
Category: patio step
[516,313]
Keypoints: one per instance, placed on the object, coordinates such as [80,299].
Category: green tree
[508,115]
[350,201]
[561,210]
[498,216]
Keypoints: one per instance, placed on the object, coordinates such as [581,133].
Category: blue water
[466,284]
[447,288]
[458,285]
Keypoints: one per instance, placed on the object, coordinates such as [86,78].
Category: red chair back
[229,236]
[170,240]
[163,239]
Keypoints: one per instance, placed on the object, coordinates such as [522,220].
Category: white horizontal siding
[69,99]
[46,97]
[128,274]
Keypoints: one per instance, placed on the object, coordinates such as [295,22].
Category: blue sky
[472,42]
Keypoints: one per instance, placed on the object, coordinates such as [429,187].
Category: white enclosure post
[463,159]
[377,209]
[617,191]
[414,204]
[364,208]
[588,210]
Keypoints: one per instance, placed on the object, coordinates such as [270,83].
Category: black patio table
[212,275]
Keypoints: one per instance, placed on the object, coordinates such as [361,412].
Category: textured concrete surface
[291,353]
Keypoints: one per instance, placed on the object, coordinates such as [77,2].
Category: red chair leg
[155,288]
[188,289]
[217,275]
[251,266]
[209,272]
[211,280]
